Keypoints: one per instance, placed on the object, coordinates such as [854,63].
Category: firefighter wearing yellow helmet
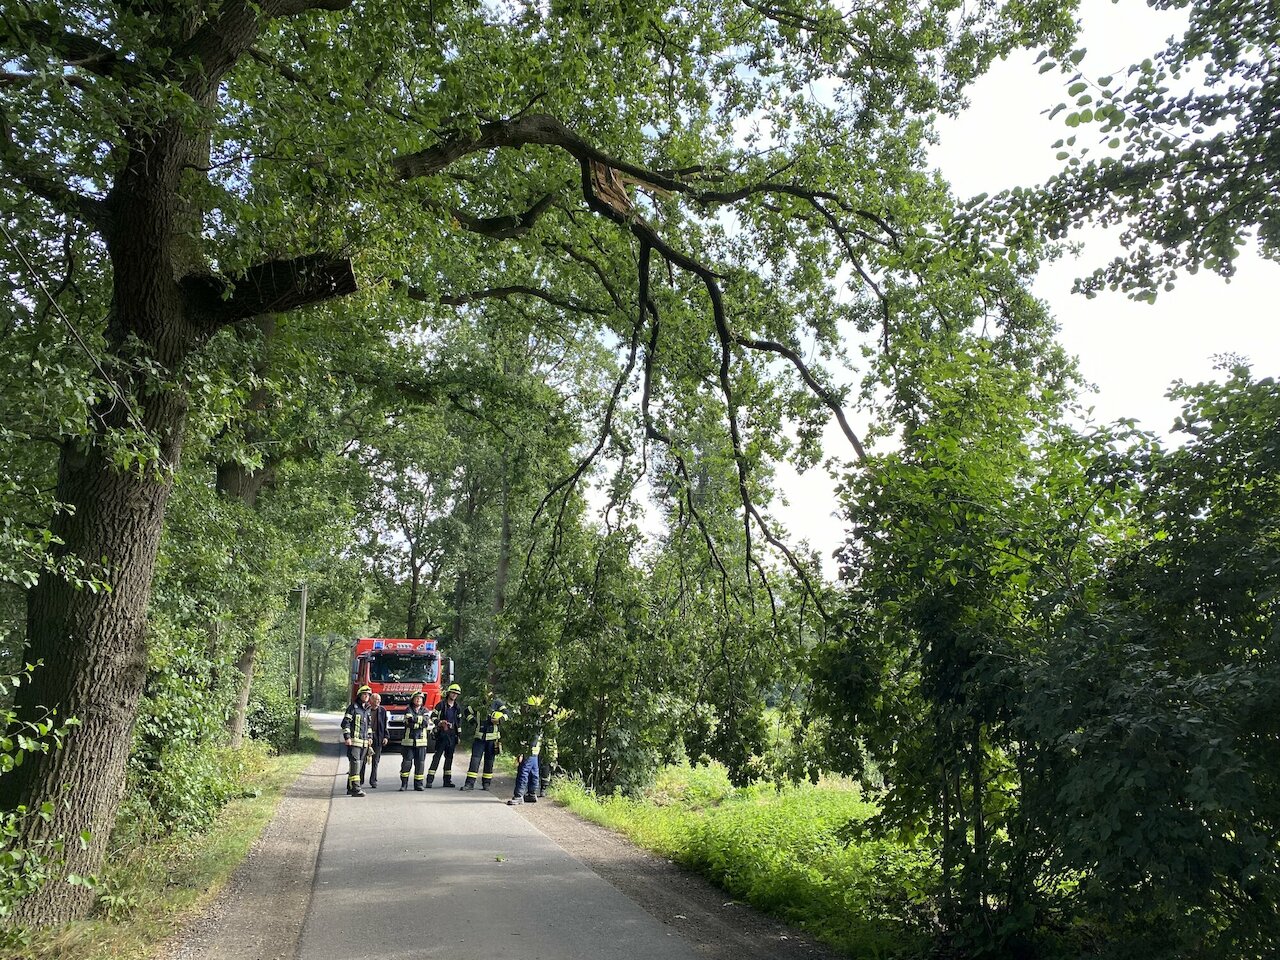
[485,745]
[448,729]
[357,737]
[417,737]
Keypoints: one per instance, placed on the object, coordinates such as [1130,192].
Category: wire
[118,395]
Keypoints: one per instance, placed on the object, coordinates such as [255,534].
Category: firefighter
[357,735]
[537,718]
[379,720]
[448,727]
[417,735]
[485,745]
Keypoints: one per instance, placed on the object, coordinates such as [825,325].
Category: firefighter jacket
[452,715]
[536,724]
[417,727]
[357,725]
[486,725]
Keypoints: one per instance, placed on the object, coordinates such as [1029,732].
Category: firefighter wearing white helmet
[448,728]
[417,737]
[357,737]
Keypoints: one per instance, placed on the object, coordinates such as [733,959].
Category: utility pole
[302,647]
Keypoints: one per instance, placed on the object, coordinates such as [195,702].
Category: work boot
[469,785]
[404,785]
[448,783]
[373,784]
[418,788]
[515,801]
[484,786]
[530,798]
[357,792]
[430,777]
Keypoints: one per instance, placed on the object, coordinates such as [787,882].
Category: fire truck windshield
[399,668]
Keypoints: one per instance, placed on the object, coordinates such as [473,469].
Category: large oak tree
[232,160]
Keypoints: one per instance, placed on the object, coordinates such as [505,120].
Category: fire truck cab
[396,669]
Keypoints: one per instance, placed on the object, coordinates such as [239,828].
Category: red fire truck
[396,670]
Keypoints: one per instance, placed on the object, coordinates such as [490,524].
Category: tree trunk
[500,577]
[415,581]
[245,666]
[92,645]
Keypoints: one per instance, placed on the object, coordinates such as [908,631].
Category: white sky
[1131,351]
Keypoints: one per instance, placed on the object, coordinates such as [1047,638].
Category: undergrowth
[153,881]
[787,851]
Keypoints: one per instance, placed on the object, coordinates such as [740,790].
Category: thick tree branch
[825,395]
[222,40]
[73,49]
[535,129]
[291,8]
[271,287]
[506,227]
[499,293]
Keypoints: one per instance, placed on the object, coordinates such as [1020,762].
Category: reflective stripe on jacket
[417,727]
[357,726]
[486,729]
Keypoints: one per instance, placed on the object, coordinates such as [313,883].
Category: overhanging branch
[271,287]
[500,293]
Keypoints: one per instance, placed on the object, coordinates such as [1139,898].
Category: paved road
[409,876]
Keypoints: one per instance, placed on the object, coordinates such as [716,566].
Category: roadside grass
[146,893]
[793,852]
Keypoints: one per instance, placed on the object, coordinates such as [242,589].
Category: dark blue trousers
[527,777]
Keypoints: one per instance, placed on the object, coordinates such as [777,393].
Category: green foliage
[271,715]
[788,851]
[25,866]
[693,787]
[1059,652]
[1187,168]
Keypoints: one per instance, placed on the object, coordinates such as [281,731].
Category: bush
[271,716]
[187,786]
[23,870]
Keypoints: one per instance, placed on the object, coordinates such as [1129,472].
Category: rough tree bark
[245,668]
[165,305]
[500,576]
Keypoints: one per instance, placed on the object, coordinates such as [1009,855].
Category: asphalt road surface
[455,875]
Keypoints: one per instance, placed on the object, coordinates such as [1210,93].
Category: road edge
[714,924]
[259,914]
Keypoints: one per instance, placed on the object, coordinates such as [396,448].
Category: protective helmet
[498,715]
[453,688]
[417,694]
[533,701]
[364,689]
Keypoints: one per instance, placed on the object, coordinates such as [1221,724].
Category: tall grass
[787,851]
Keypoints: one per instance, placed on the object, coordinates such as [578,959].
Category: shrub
[24,869]
[271,715]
